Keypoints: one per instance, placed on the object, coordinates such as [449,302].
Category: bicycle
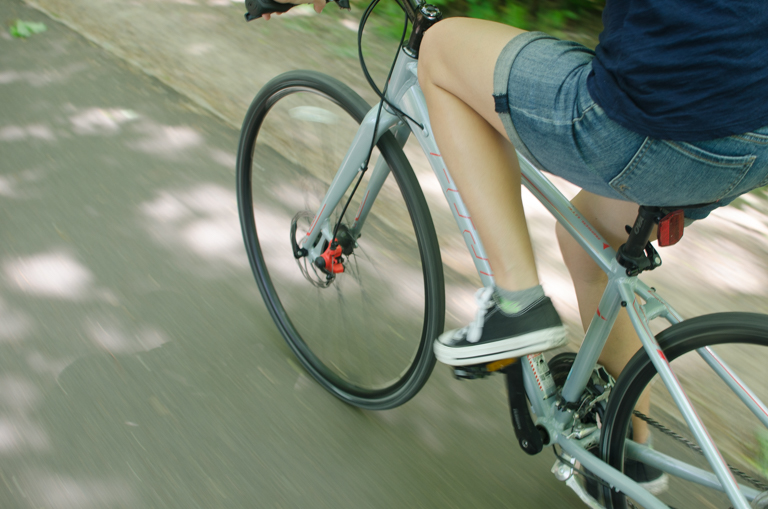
[314,266]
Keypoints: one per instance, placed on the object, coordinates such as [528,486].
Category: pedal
[478,371]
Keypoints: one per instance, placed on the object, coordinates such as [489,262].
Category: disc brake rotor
[307,268]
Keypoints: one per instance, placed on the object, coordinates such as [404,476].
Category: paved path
[138,366]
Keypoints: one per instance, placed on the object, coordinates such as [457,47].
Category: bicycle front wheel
[366,334]
[740,340]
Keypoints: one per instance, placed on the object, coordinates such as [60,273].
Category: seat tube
[594,341]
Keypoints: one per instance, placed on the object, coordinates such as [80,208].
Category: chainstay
[692,445]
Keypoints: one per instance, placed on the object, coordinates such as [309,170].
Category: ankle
[513,302]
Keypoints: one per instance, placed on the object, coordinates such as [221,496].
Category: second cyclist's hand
[318,5]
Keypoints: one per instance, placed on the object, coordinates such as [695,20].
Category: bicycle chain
[656,424]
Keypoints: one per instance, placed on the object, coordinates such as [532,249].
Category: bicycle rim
[366,333]
[741,341]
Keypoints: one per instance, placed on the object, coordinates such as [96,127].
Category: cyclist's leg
[457,64]
[456,67]
[609,216]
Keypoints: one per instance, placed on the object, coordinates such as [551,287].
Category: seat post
[637,254]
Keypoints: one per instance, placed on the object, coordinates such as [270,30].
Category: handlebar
[257,8]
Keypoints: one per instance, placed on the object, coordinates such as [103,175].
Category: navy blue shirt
[685,70]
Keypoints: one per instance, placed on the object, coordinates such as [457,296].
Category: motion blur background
[138,365]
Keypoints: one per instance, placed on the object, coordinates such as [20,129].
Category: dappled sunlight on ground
[14,324]
[81,280]
[167,141]
[58,491]
[202,220]
[20,185]
[99,121]
[18,133]
[17,394]
[731,268]
[213,238]
[55,274]
[6,187]
[42,77]
[222,157]
[19,433]
[113,337]
[200,49]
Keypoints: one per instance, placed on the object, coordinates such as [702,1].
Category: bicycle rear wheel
[741,341]
[366,335]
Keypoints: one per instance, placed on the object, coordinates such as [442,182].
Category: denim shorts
[540,92]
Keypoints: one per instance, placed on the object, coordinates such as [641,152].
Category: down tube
[415,105]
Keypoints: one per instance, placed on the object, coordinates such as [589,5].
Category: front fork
[320,237]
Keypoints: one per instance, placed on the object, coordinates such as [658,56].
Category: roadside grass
[23,29]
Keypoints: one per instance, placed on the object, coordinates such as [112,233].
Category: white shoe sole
[533,342]
[657,486]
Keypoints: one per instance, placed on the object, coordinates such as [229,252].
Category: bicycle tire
[560,366]
[320,98]
[733,334]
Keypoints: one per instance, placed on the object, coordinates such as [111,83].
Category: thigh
[459,55]
[608,215]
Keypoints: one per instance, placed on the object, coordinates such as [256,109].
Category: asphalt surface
[138,365]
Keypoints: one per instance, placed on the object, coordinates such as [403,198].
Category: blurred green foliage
[762,452]
[22,29]
[578,20]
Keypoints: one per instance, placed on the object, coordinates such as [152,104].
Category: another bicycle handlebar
[257,8]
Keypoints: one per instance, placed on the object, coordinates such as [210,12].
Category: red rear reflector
[671,228]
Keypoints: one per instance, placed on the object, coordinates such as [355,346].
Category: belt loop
[501,102]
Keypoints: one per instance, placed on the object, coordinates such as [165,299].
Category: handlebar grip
[257,8]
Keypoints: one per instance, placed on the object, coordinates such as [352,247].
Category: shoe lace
[484,300]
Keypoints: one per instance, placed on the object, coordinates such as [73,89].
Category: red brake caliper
[331,261]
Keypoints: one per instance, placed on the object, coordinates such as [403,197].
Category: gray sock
[514,302]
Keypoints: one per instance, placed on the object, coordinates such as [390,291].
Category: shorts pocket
[759,136]
[670,173]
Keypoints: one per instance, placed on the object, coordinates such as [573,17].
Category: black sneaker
[650,478]
[497,334]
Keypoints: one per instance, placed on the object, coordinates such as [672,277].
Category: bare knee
[435,42]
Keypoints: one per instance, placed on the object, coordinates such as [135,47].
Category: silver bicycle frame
[621,291]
